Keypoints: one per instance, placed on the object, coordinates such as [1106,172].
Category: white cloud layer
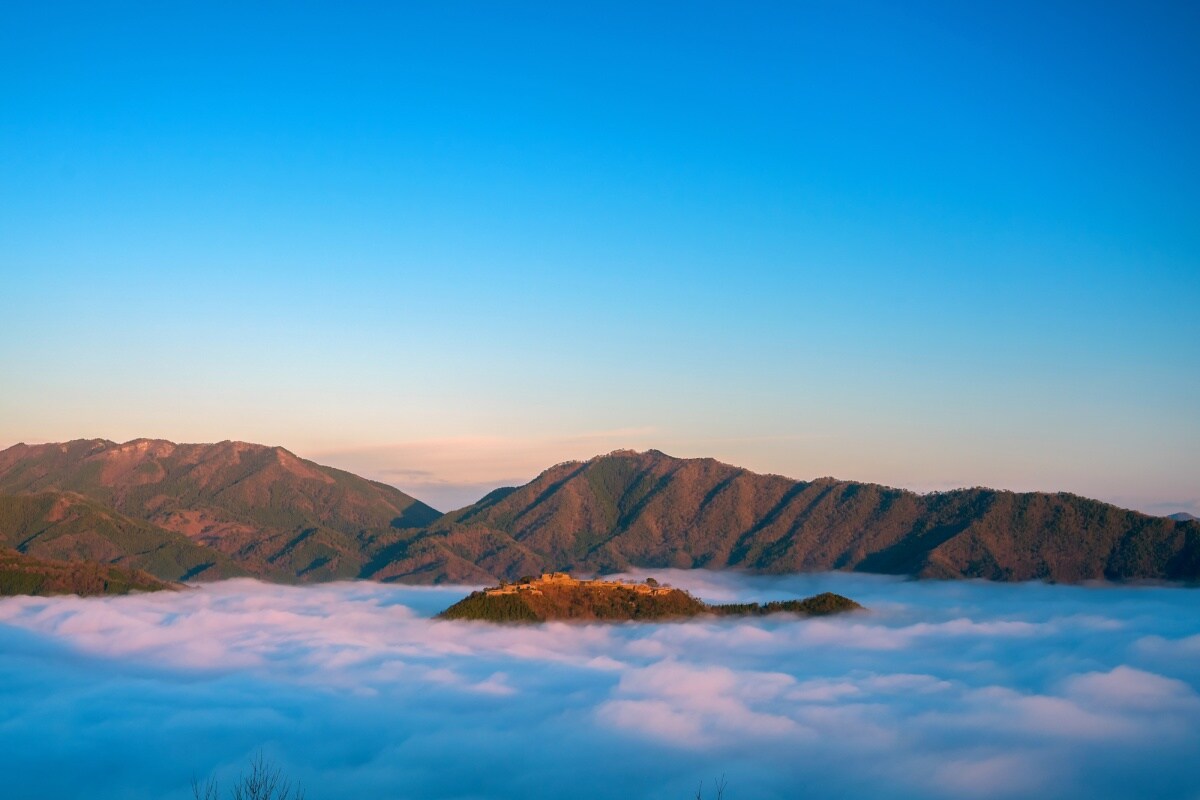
[940,690]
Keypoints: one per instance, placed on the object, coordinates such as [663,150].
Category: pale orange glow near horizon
[449,472]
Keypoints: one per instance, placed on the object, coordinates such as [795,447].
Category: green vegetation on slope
[816,606]
[504,608]
[22,574]
[67,527]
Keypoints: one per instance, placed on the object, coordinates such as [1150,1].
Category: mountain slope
[23,574]
[274,514]
[631,509]
[205,511]
[69,527]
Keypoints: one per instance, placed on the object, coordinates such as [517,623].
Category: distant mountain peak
[182,511]
[628,509]
[273,513]
[628,452]
[1183,516]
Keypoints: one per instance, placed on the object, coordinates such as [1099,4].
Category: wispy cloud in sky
[450,473]
[939,690]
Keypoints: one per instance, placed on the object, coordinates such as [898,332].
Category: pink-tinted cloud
[938,690]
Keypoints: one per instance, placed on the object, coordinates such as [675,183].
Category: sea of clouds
[955,689]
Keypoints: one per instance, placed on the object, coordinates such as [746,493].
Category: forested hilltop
[558,596]
[207,511]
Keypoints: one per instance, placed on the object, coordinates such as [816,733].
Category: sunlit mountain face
[937,689]
[208,511]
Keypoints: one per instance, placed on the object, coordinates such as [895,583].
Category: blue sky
[926,244]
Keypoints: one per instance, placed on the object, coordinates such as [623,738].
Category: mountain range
[207,511]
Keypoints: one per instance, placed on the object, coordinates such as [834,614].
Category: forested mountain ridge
[630,509]
[218,510]
[266,510]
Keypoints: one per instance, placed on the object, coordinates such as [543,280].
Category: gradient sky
[925,244]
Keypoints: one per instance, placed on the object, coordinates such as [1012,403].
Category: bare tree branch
[264,781]
[718,783]
[208,791]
